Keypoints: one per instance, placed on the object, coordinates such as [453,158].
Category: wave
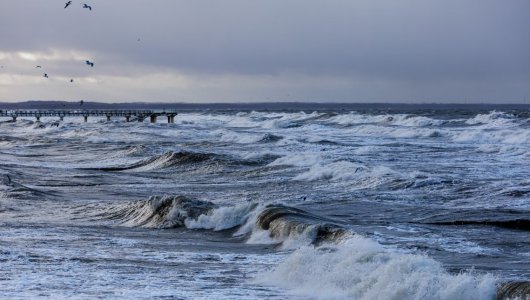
[405,120]
[513,136]
[171,159]
[157,212]
[519,224]
[357,174]
[246,138]
[514,290]
[13,188]
[292,227]
[360,268]
[371,130]
[493,119]
[504,218]
[166,160]
[276,224]
[290,120]
[329,260]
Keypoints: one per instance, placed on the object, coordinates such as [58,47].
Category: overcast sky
[266,50]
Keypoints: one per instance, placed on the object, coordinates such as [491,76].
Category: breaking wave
[405,120]
[293,227]
[360,268]
[157,212]
[329,261]
[493,119]
[280,224]
[357,174]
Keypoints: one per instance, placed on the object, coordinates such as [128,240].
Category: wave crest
[158,212]
[166,160]
[360,268]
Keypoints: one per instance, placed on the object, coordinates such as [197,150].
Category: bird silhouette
[45,75]
[40,67]
[67,4]
[71,80]
[88,62]
[87,6]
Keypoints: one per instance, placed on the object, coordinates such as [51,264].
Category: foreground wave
[329,261]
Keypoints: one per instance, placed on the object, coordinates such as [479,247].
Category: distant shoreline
[273,106]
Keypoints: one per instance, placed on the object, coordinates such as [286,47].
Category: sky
[199,51]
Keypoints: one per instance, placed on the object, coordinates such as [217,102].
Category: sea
[313,203]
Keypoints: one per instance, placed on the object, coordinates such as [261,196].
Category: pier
[128,115]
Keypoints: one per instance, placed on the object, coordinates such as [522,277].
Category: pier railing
[139,115]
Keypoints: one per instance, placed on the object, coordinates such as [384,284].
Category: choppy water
[323,204]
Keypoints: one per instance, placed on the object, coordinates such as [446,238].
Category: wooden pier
[129,115]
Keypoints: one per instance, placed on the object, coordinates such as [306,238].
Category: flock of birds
[84,5]
[87,62]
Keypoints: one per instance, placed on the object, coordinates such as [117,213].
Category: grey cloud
[411,41]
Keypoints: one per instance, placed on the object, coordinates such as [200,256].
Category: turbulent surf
[320,204]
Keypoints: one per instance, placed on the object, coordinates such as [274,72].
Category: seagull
[88,62]
[38,67]
[67,4]
[87,6]
[45,75]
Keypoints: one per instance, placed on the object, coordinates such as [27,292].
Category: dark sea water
[332,204]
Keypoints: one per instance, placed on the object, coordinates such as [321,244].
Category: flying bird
[88,62]
[71,80]
[67,4]
[45,75]
[40,67]
[87,6]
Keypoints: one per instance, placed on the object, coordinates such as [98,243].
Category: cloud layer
[274,50]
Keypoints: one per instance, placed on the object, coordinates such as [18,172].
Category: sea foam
[359,268]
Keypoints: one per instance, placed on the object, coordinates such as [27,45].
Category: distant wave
[493,119]
[511,219]
[519,224]
[182,158]
[166,160]
[247,138]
